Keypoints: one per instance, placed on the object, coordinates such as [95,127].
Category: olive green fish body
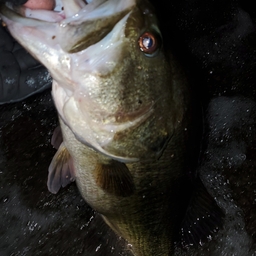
[149,216]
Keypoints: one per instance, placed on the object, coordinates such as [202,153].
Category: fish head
[113,84]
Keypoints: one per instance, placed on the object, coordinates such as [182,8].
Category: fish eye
[148,43]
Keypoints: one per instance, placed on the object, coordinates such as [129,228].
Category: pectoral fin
[115,178]
[61,170]
[203,217]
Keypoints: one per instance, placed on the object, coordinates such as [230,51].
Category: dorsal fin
[114,178]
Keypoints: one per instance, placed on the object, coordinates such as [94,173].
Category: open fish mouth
[72,10]
[85,22]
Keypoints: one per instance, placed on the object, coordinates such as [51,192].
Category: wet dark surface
[217,44]
[34,221]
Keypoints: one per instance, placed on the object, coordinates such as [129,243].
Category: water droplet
[98,247]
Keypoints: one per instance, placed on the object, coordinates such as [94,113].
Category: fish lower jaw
[103,140]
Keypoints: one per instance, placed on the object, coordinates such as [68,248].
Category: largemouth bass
[126,118]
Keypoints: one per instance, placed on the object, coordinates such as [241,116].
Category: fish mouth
[66,11]
[85,22]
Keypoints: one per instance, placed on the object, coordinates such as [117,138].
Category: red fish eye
[148,43]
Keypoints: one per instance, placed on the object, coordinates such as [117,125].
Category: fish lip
[18,14]
[13,10]
[63,17]
[81,24]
